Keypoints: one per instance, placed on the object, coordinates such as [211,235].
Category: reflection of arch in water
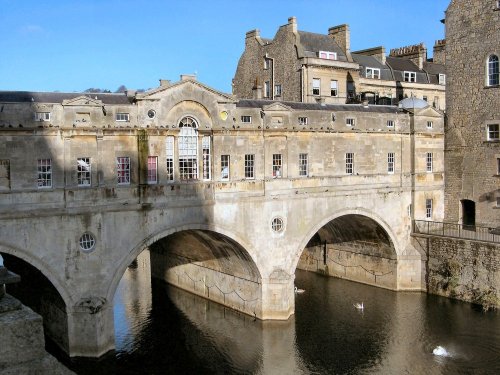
[356,245]
[40,289]
[205,260]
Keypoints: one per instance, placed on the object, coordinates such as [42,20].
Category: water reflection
[161,329]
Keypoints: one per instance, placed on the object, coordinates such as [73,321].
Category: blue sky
[50,45]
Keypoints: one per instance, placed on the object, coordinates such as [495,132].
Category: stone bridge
[230,197]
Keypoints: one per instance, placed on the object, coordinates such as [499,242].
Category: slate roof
[371,62]
[399,65]
[253,103]
[434,71]
[312,43]
[58,97]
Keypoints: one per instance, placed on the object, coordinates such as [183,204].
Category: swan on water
[440,351]
[297,290]
[359,306]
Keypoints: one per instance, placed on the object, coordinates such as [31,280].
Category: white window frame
[429,162]
[328,55]
[44,172]
[493,70]
[428,208]
[373,73]
[410,76]
[277,166]
[187,145]
[267,89]
[316,86]
[334,88]
[277,90]
[303,120]
[123,170]
[391,162]
[246,119]
[267,63]
[442,79]
[152,169]
[390,123]
[430,124]
[206,151]
[84,172]
[303,165]
[349,163]
[350,121]
[493,132]
[42,116]
[122,117]
[169,157]
[249,166]
[225,161]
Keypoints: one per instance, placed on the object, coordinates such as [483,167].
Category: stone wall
[462,269]
[471,160]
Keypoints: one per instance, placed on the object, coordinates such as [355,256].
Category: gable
[83,100]
[276,106]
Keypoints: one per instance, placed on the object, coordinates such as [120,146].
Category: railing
[469,232]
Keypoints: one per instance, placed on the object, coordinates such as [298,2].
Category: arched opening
[468,213]
[493,69]
[200,261]
[188,149]
[37,292]
[353,247]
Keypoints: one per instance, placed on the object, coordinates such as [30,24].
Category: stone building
[308,67]
[231,193]
[473,112]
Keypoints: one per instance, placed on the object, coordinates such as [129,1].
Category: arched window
[493,71]
[188,149]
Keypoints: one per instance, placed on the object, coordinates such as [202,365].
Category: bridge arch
[43,267]
[162,234]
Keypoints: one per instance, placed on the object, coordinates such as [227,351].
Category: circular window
[87,242]
[151,113]
[277,224]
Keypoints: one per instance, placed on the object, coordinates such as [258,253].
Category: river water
[163,330]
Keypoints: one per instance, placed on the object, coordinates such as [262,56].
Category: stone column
[91,328]
[278,296]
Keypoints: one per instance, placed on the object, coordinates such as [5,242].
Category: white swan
[359,306]
[297,290]
[440,351]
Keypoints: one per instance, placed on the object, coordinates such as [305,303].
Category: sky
[68,46]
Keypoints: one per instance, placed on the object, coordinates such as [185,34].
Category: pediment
[277,107]
[83,100]
[429,112]
[189,88]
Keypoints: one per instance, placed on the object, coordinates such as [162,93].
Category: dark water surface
[163,330]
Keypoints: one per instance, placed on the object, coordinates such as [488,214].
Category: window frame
[303,120]
[206,151]
[327,55]
[429,162]
[83,175]
[123,170]
[316,89]
[493,135]
[410,76]
[267,89]
[187,144]
[391,162]
[442,79]
[349,163]
[277,170]
[428,208]
[430,124]
[42,116]
[249,166]
[334,88]
[244,119]
[372,73]
[493,71]
[278,89]
[390,123]
[350,121]
[170,158]
[303,164]
[122,117]
[152,177]
[225,161]
[44,173]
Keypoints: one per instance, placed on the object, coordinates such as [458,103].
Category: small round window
[151,113]
[277,224]
[87,242]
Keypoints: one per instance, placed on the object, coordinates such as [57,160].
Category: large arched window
[493,71]
[188,149]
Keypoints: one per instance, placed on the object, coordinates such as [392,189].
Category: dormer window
[373,73]
[410,77]
[42,116]
[442,79]
[122,117]
[327,55]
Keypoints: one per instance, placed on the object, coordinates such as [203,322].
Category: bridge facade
[230,197]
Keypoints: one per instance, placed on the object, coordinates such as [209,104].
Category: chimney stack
[342,35]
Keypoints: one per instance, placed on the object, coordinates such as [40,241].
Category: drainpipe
[302,70]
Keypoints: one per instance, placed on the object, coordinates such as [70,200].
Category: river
[163,330]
